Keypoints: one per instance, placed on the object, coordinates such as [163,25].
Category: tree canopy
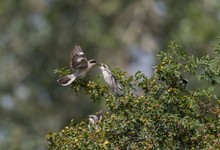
[153,113]
[36,37]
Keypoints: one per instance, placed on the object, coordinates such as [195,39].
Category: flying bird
[110,78]
[79,65]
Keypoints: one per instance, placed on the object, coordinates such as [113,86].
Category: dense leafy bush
[154,113]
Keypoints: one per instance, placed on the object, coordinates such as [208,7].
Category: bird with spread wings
[79,65]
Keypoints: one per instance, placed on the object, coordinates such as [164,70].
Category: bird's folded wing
[116,82]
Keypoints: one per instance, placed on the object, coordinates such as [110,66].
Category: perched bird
[184,82]
[79,65]
[110,78]
[155,68]
[95,118]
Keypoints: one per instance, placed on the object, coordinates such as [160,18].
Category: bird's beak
[99,65]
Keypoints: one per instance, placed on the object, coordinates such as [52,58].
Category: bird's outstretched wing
[78,59]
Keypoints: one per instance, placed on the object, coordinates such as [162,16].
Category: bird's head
[103,67]
[93,118]
[92,62]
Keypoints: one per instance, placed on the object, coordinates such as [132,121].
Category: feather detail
[67,80]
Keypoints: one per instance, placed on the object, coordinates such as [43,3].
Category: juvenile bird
[94,119]
[79,65]
[110,78]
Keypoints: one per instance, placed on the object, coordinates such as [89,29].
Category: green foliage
[164,115]
[37,36]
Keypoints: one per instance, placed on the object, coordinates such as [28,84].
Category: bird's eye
[93,61]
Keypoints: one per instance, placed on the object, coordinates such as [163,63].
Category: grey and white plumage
[95,118]
[79,65]
[110,78]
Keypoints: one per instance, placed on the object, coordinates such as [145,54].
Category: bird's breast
[81,73]
[107,77]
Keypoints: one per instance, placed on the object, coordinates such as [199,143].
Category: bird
[79,65]
[110,78]
[95,118]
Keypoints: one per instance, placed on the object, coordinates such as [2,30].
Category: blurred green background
[36,37]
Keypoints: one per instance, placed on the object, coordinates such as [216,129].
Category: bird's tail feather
[67,80]
[119,86]
[118,89]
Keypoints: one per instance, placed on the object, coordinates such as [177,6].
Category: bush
[154,113]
